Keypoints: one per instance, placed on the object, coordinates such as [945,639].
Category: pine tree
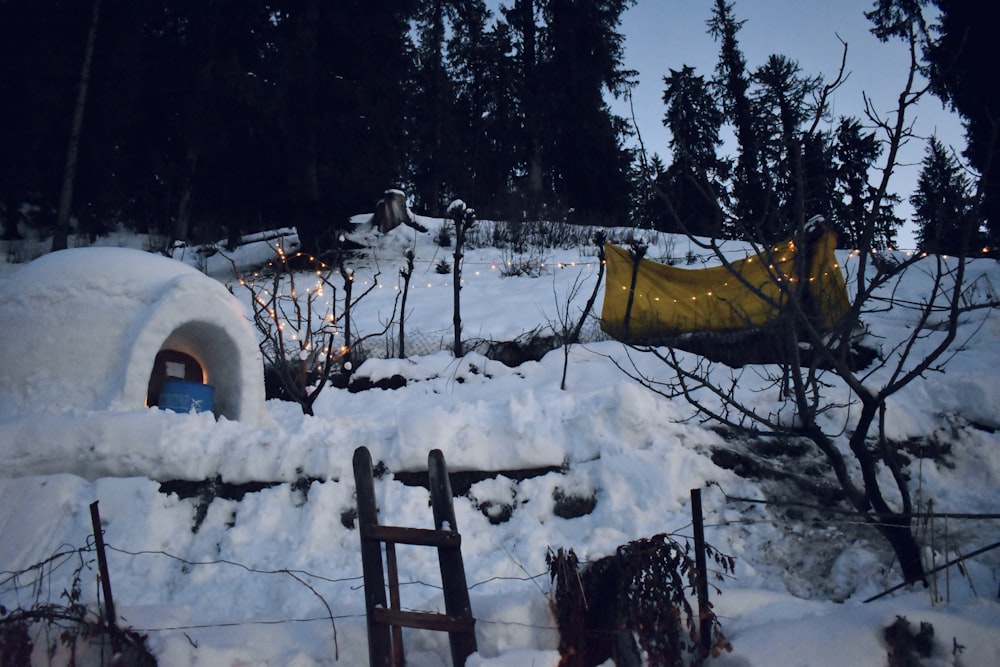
[941,203]
[565,55]
[434,119]
[485,102]
[856,152]
[819,176]
[41,51]
[694,183]
[195,132]
[782,103]
[584,54]
[344,98]
[753,206]
[531,179]
[963,73]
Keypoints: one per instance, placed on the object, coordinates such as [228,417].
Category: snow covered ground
[255,579]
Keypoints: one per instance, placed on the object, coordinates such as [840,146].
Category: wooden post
[456,591]
[704,617]
[379,641]
[456,280]
[637,252]
[348,276]
[102,567]
[405,273]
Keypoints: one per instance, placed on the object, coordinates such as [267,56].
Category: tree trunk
[9,222]
[898,532]
[181,228]
[867,498]
[60,238]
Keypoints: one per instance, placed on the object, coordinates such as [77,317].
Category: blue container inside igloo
[185,396]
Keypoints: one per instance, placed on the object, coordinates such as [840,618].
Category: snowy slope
[258,579]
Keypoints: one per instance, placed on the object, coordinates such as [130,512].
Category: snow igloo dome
[96,329]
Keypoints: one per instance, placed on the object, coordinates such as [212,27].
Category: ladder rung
[423,620]
[418,536]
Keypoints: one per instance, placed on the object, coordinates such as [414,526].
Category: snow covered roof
[81,328]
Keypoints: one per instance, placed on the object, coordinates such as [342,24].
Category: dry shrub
[636,599]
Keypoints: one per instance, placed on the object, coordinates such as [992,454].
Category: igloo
[84,328]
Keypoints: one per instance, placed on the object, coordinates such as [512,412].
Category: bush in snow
[305,340]
[638,595]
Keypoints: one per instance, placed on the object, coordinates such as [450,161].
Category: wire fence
[529,346]
[40,592]
[46,587]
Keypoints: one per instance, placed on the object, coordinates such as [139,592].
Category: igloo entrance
[171,365]
[201,353]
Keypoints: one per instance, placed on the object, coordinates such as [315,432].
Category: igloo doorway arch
[205,353]
[82,329]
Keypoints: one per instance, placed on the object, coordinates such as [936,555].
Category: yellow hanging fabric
[668,300]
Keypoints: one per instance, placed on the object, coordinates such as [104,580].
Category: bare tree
[304,339]
[822,394]
[570,328]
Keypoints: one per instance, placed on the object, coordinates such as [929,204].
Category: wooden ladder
[385,621]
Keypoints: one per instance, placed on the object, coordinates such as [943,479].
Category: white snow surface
[257,582]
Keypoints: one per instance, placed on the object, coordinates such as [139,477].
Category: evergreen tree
[752,192]
[565,54]
[344,102]
[650,206]
[41,51]
[694,183]
[782,107]
[583,59]
[856,152]
[963,72]
[531,179]
[819,176]
[435,123]
[195,131]
[941,204]
[114,182]
[486,105]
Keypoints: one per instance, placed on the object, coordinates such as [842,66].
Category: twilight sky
[665,34]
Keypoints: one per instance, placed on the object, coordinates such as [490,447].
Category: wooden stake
[102,566]
[704,616]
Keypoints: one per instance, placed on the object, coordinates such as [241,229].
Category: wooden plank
[423,620]
[394,603]
[418,536]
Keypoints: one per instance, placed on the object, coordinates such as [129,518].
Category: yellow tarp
[669,300]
